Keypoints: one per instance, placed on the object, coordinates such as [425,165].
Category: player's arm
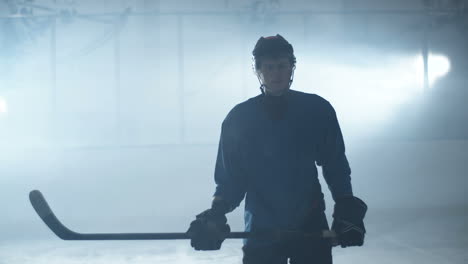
[210,227]
[349,211]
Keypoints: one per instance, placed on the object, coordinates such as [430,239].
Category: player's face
[275,74]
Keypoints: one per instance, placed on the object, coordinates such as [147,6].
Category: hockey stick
[45,213]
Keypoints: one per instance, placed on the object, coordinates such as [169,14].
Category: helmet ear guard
[257,73]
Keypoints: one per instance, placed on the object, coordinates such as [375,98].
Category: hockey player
[268,152]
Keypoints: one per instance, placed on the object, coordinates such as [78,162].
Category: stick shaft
[139,236]
[42,208]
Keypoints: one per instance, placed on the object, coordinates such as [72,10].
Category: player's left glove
[348,221]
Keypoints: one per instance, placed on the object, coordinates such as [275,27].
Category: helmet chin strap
[263,87]
[292,77]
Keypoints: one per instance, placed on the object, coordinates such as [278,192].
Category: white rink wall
[160,189]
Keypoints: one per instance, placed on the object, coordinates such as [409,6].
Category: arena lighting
[371,89]
[438,66]
[3,106]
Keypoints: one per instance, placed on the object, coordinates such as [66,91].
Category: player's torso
[288,144]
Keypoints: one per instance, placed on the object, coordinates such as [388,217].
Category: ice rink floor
[401,236]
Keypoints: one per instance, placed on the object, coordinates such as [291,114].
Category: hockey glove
[348,221]
[209,229]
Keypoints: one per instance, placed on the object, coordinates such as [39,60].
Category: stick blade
[42,209]
[39,204]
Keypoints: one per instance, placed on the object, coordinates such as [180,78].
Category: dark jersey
[272,161]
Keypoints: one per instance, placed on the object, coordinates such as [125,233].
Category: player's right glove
[348,221]
[210,228]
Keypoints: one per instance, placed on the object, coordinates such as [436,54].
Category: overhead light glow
[369,93]
[438,66]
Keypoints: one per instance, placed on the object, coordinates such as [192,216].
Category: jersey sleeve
[332,158]
[229,175]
